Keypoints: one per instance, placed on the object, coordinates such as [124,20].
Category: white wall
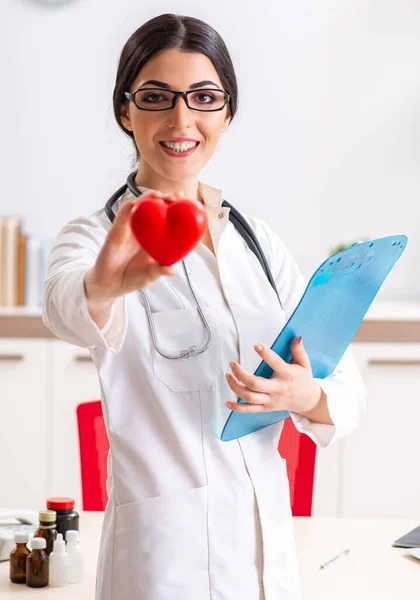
[327,142]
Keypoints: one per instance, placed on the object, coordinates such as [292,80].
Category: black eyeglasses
[155,99]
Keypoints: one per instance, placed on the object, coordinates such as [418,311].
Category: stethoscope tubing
[243,229]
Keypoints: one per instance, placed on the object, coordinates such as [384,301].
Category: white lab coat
[190,517]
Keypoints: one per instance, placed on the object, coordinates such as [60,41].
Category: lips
[177,151]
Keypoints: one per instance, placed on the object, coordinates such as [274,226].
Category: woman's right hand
[122,266]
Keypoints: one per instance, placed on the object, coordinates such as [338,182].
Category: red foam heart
[168,230]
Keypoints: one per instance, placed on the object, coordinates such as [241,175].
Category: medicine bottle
[67,517]
[47,529]
[18,558]
[37,565]
[59,563]
[76,560]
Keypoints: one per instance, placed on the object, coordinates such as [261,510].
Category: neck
[150,179]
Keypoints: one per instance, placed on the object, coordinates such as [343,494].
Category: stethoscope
[243,229]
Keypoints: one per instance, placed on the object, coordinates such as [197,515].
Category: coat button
[220,215]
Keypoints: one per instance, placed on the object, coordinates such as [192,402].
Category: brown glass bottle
[37,564]
[47,528]
[18,558]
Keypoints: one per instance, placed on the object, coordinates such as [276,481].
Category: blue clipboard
[328,316]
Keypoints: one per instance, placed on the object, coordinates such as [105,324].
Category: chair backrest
[297,448]
[299,451]
[94,446]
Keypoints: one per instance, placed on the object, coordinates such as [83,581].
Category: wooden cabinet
[380,459]
[41,383]
[374,471]
[25,423]
[73,379]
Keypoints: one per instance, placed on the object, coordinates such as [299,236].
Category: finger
[245,393]
[166,270]
[124,213]
[253,382]
[174,196]
[169,199]
[150,194]
[155,270]
[246,408]
[120,231]
[144,196]
[279,366]
[299,354]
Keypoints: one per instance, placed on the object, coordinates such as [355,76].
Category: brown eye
[203,98]
[207,99]
[153,99]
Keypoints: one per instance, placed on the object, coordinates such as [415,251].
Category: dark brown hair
[172,31]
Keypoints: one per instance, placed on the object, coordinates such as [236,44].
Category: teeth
[180,147]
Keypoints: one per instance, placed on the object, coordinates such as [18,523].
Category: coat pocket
[161,548]
[177,330]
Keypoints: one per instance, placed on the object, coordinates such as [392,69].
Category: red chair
[94,446]
[299,451]
[297,448]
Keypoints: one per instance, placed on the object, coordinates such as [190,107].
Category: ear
[226,124]
[125,116]
[228,119]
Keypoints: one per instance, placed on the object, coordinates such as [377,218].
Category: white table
[373,570]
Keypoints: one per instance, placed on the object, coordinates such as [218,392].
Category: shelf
[23,322]
[20,311]
[390,322]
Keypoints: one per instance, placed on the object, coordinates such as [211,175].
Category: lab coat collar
[211,196]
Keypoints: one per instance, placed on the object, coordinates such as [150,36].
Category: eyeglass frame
[131,96]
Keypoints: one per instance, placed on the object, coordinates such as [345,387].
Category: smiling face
[176,144]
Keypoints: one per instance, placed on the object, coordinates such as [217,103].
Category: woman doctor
[189,517]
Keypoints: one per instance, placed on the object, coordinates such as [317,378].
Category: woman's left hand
[292,386]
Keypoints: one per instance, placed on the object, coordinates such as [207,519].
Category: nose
[179,117]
